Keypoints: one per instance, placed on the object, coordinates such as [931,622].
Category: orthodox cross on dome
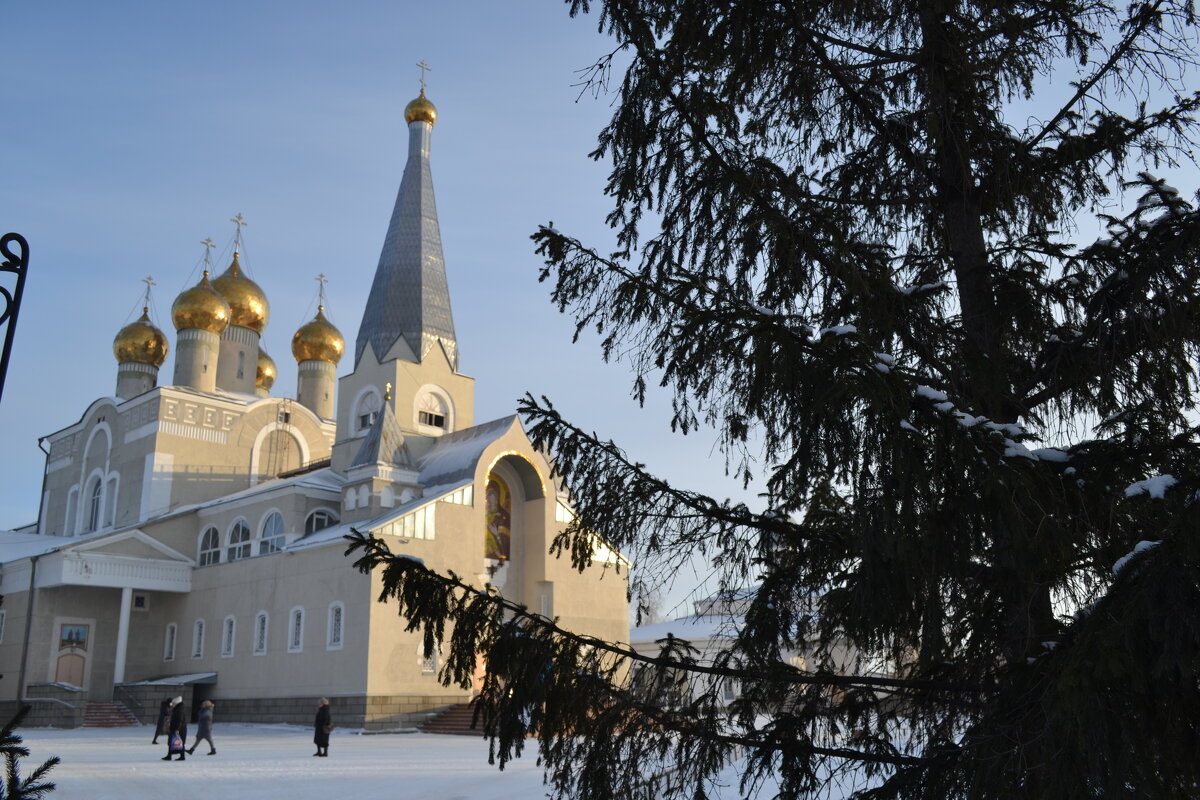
[149,281]
[387,393]
[208,246]
[321,281]
[240,222]
[424,68]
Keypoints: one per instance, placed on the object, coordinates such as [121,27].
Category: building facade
[190,537]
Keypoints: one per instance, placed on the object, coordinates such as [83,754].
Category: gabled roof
[384,442]
[453,457]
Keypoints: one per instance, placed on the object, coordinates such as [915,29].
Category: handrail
[48,700]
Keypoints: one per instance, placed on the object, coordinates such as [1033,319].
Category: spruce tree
[858,240]
[15,787]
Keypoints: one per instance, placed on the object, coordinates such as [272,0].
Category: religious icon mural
[498,515]
[73,637]
[70,665]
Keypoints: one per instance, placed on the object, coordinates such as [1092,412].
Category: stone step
[108,715]
[456,720]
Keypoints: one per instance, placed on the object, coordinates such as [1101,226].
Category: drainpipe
[28,626]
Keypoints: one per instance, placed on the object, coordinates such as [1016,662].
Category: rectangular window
[462,497]
[198,639]
[2,613]
[169,644]
[431,419]
[141,602]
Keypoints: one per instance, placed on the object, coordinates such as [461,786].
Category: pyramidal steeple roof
[384,442]
[410,297]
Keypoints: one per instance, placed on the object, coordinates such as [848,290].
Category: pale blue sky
[134,130]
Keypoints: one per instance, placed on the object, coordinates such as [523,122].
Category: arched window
[227,632]
[169,642]
[296,630]
[198,639]
[95,498]
[433,411]
[210,547]
[367,410]
[260,633]
[239,541]
[337,619]
[319,520]
[271,538]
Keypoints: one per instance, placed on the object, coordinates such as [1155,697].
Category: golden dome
[264,375]
[247,303]
[420,109]
[140,341]
[200,307]
[318,340]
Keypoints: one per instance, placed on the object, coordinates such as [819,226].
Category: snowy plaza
[275,761]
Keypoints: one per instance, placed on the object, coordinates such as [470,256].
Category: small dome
[318,340]
[264,375]
[200,307]
[247,303]
[420,109]
[141,342]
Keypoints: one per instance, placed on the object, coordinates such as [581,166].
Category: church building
[190,537]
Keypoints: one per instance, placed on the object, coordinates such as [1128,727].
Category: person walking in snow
[160,727]
[322,725]
[204,728]
[177,725]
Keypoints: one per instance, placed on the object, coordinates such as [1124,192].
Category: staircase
[455,720]
[108,715]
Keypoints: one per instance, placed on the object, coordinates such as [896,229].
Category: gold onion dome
[420,109]
[140,341]
[200,307]
[247,303]
[318,340]
[264,374]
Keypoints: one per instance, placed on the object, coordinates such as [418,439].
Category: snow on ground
[269,762]
[256,762]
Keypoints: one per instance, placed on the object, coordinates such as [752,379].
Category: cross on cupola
[149,281]
[424,68]
[321,281]
[240,222]
[208,247]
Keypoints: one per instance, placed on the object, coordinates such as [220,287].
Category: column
[123,635]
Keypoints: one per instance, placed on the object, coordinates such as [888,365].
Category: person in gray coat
[204,728]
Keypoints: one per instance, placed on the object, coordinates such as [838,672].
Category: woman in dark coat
[322,725]
[160,727]
[178,724]
[204,729]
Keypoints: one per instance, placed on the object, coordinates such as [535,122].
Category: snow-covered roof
[15,546]
[324,479]
[334,532]
[177,680]
[453,457]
